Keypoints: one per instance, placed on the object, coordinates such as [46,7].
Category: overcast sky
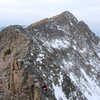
[25,12]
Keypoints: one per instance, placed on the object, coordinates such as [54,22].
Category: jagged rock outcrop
[61,52]
[18,76]
[12,38]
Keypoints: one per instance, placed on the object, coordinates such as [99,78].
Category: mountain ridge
[59,51]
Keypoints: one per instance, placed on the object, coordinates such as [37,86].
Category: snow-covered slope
[65,46]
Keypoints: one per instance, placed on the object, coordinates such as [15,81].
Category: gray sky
[25,12]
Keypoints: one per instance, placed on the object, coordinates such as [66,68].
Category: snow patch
[36,29]
[58,92]
[58,43]
[67,64]
[31,54]
[71,23]
[74,78]
[84,50]
[40,58]
[91,87]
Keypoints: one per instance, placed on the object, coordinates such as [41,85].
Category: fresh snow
[57,43]
[58,92]
[40,58]
[65,29]
[67,64]
[74,78]
[91,87]
[87,86]
[31,54]
[71,23]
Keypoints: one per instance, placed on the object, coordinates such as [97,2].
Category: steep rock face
[13,44]
[59,51]
[12,38]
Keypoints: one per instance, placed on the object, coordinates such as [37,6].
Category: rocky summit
[60,52]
